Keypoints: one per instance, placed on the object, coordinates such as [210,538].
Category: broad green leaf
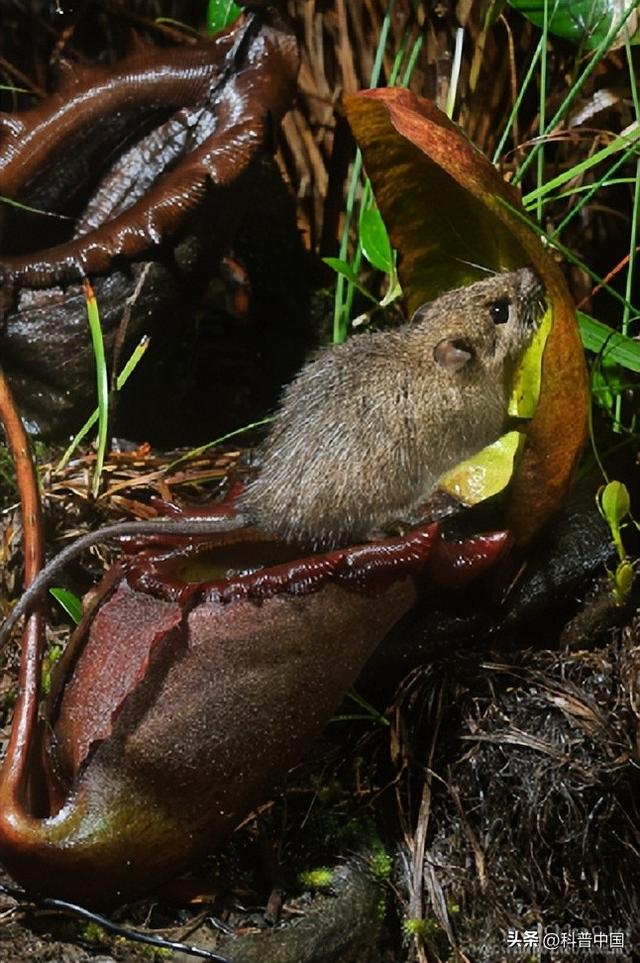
[586,22]
[220,13]
[599,337]
[374,240]
[486,473]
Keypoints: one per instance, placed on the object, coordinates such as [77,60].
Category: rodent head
[490,322]
[519,306]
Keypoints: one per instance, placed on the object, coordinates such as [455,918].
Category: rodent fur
[366,428]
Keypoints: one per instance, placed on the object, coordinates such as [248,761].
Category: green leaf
[485,473]
[341,267]
[622,581]
[220,13]
[585,22]
[374,241]
[614,505]
[71,604]
[615,502]
[597,337]
[527,380]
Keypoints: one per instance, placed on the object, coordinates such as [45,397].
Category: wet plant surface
[547,737]
[488,781]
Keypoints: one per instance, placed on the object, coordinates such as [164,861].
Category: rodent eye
[500,311]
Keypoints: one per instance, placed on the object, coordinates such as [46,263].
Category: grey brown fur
[367,428]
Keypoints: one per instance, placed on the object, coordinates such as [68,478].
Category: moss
[152,953]
[381,909]
[93,933]
[380,861]
[328,792]
[320,878]
[52,656]
[424,929]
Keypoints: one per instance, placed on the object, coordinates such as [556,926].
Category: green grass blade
[455,73]
[633,233]
[566,252]
[121,380]
[340,316]
[134,359]
[516,106]
[102,382]
[615,347]
[413,58]
[600,51]
[69,601]
[32,210]
[196,452]
[629,139]
[606,180]
[345,290]
[542,104]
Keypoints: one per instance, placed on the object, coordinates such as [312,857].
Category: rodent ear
[420,312]
[453,353]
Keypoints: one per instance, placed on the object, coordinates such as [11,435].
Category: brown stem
[14,770]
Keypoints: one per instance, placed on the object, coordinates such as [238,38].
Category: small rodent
[367,427]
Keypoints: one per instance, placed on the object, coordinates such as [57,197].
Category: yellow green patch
[527,380]
[485,473]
